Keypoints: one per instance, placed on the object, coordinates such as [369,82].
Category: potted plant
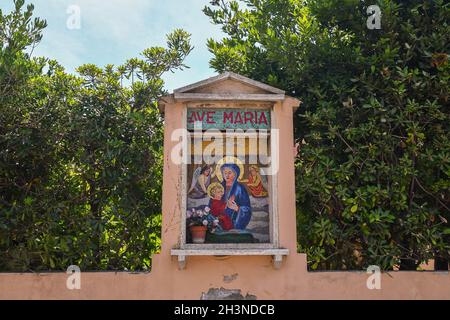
[199,222]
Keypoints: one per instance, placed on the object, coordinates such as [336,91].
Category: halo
[211,187]
[229,159]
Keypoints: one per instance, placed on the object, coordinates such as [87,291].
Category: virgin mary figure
[238,206]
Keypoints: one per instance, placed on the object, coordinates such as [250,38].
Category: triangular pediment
[227,86]
[229,83]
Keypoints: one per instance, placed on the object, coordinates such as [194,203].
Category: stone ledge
[277,254]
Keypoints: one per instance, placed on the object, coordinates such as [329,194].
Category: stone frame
[250,249]
[211,91]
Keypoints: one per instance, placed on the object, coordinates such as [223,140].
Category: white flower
[188,214]
[205,222]
[207,209]
[216,222]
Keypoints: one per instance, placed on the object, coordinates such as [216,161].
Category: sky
[112,31]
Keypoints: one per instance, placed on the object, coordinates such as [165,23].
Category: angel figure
[201,179]
[256,184]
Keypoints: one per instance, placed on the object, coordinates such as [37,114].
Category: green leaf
[28,201]
[354,208]
[52,263]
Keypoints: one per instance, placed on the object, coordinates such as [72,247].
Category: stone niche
[228,170]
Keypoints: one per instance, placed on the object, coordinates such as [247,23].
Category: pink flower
[205,222]
[207,209]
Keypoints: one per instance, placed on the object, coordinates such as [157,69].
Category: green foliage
[80,156]
[373,171]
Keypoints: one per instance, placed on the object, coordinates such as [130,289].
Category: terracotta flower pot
[198,233]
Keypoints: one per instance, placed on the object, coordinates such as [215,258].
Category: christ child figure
[218,206]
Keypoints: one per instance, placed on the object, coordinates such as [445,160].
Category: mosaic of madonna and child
[227,203]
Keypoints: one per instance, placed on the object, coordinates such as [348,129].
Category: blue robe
[242,217]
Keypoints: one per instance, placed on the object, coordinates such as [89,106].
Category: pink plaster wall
[253,274]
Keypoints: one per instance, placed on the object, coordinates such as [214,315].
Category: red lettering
[262,118]
[192,118]
[209,117]
[228,117]
[200,118]
[248,117]
[238,118]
